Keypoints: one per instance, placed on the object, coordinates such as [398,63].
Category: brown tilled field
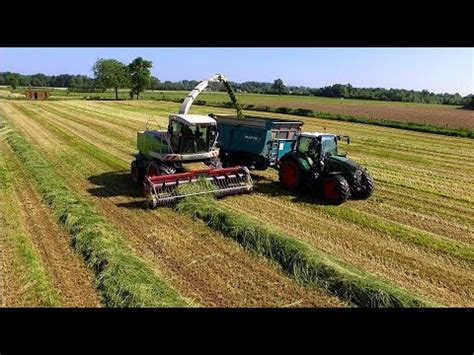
[433,114]
[444,116]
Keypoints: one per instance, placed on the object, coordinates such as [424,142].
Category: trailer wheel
[137,174]
[335,189]
[290,174]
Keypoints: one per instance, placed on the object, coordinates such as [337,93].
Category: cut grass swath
[123,279]
[36,283]
[302,262]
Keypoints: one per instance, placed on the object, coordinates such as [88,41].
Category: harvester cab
[188,139]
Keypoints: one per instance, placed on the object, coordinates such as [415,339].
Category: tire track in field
[200,263]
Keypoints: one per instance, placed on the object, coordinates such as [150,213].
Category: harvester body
[188,138]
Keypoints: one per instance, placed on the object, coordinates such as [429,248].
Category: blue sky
[435,69]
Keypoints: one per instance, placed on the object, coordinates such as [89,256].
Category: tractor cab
[191,134]
[317,145]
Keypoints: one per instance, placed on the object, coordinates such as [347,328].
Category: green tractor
[316,162]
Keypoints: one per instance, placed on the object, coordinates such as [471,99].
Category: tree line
[336,91]
[110,73]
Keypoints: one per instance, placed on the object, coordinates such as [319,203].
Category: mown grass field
[416,234]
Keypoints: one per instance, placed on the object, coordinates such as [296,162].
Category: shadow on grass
[113,184]
[273,188]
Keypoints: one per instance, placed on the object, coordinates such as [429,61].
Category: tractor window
[329,145]
[303,144]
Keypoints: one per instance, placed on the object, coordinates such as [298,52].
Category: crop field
[449,116]
[438,115]
[413,239]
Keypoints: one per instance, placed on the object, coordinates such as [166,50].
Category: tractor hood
[342,160]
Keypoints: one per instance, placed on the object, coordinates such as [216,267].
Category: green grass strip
[35,281]
[418,237]
[305,264]
[123,279]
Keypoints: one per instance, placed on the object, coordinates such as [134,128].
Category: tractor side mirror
[346,138]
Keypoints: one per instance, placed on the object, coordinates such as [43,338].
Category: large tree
[110,73]
[469,102]
[139,71]
[12,81]
[278,86]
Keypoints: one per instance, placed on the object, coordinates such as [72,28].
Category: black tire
[215,163]
[157,168]
[290,174]
[367,186]
[335,189]
[137,173]
[226,159]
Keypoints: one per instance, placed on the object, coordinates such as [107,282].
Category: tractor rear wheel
[290,174]
[335,189]
[137,173]
[367,187]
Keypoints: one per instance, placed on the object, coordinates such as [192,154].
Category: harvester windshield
[188,139]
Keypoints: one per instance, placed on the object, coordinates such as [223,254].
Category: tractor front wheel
[367,187]
[335,189]
[290,174]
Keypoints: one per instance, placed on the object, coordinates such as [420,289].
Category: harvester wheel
[226,160]
[137,173]
[290,174]
[153,169]
[335,189]
[367,187]
[215,163]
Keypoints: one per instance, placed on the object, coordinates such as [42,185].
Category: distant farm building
[37,94]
